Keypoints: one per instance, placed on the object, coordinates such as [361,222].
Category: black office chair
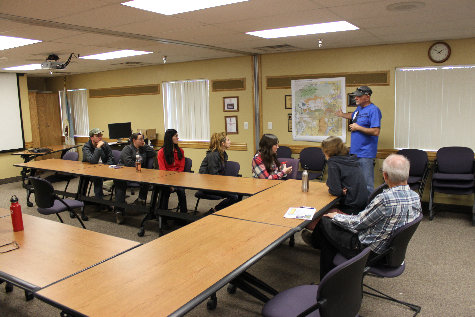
[49,203]
[232,169]
[453,174]
[378,190]
[419,170]
[393,260]
[314,159]
[338,295]
[284,152]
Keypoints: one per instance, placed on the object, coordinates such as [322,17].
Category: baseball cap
[362,90]
[95,131]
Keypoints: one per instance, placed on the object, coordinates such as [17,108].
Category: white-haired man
[374,226]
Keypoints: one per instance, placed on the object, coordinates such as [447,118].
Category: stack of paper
[305,213]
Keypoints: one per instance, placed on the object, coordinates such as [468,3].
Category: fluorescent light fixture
[7,42]
[25,67]
[116,54]
[177,6]
[305,30]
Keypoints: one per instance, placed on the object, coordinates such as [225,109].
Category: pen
[307,207]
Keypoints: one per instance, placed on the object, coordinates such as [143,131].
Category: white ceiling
[89,27]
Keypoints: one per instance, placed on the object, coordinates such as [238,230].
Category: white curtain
[77,100]
[435,107]
[186,108]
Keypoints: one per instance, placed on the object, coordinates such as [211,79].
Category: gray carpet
[440,273]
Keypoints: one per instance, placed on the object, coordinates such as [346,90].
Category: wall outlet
[246,125]
[269,125]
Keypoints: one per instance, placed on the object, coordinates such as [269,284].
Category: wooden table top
[270,206]
[238,185]
[4,212]
[161,276]
[50,250]
[54,148]
[55,165]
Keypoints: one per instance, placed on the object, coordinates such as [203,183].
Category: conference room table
[28,155]
[51,251]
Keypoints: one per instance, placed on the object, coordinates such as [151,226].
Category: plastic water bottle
[305,179]
[15,210]
[138,163]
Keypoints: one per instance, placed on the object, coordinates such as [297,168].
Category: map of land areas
[314,104]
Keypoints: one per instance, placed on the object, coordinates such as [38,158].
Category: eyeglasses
[363,91]
[14,244]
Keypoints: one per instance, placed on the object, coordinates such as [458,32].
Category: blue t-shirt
[364,145]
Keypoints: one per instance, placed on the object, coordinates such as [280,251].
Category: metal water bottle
[15,210]
[305,179]
[138,163]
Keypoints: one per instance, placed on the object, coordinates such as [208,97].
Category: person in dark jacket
[97,151]
[215,164]
[127,158]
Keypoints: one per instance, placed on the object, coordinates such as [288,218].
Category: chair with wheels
[284,152]
[453,174]
[339,293]
[314,159]
[391,263]
[232,169]
[419,170]
[49,203]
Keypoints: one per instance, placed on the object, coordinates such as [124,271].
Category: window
[186,108]
[74,110]
[435,107]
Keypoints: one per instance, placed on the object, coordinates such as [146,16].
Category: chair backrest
[44,192]
[188,164]
[71,156]
[455,160]
[116,154]
[284,152]
[232,168]
[313,158]
[149,162]
[295,166]
[342,287]
[418,160]
[399,242]
[378,190]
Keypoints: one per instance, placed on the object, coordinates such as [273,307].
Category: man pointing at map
[365,127]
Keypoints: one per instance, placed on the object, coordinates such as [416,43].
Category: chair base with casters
[339,293]
[9,288]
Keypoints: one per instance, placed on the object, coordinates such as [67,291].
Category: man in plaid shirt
[372,227]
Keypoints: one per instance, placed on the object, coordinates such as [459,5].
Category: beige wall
[146,111]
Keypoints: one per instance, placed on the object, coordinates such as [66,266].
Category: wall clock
[439,52]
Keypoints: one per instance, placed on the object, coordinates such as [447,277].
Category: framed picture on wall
[231,104]
[289,120]
[288,101]
[231,124]
[351,100]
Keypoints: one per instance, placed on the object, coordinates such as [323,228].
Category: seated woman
[345,178]
[265,163]
[172,158]
[127,158]
[215,164]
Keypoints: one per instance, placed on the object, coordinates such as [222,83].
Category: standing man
[97,151]
[365,128]
[372,227]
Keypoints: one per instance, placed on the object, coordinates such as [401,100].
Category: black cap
[362,90]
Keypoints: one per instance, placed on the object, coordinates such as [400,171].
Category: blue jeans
[367,165]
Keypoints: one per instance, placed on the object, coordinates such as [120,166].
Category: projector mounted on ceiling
[52,62]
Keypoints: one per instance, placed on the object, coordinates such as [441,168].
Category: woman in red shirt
[172,158]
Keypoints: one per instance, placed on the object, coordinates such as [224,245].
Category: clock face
[439,52]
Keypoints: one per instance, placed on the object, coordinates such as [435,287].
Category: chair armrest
[321,303]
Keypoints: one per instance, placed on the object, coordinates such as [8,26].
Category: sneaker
[307,236]
[119,217]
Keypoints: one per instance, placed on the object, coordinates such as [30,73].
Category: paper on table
[305,213]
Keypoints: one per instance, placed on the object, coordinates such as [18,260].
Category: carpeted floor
[440,274]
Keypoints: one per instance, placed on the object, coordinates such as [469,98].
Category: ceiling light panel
[177,6]
[25,67]
[7,42]
[116,54]
[305,30]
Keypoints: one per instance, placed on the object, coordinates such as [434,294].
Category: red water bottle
[15,210]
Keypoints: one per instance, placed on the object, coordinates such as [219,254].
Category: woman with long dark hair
[265,163]
[172,158]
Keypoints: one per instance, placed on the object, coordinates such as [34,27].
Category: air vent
[277,48]
[132,64]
